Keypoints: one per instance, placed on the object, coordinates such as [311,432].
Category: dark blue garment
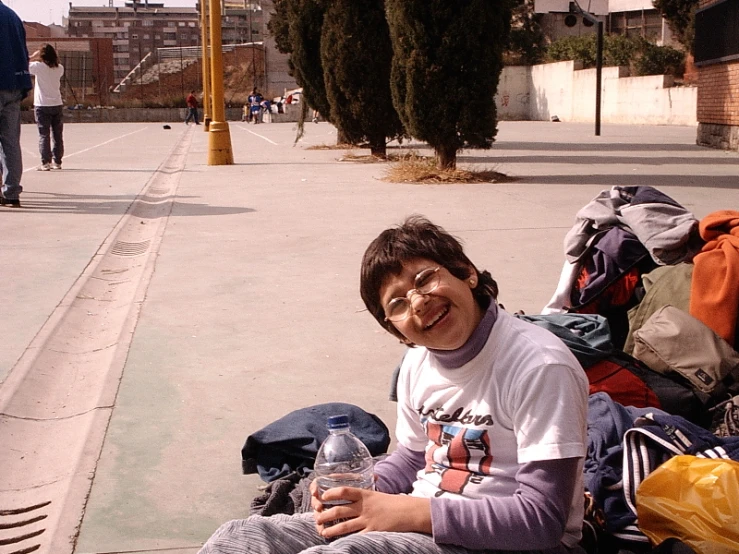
[608,422]
[625,444]
[292,442]
[14,73]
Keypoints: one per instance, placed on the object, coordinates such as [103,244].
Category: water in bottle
[343,460]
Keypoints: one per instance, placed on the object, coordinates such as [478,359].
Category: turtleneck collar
[453,359]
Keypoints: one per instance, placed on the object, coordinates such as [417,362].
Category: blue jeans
[50,121]
[11,161]
[192,114]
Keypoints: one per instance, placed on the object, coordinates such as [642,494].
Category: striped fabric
[293,534]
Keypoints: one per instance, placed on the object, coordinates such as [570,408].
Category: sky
[52,11]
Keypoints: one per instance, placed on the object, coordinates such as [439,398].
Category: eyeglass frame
[415,290]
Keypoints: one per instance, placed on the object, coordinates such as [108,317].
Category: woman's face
[444,318]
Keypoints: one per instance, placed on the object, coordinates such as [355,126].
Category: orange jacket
[714,289]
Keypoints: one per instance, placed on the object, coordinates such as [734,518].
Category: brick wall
[718,93]
[718,102]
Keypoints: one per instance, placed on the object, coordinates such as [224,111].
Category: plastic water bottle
[343,460]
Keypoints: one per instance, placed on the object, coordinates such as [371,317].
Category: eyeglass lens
[425,282]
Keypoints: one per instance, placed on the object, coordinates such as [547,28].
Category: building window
[637,23]
[134,37]
[148,22]
[191,24]
[180,23]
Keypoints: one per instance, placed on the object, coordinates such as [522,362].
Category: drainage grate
[122,248]
[15,525]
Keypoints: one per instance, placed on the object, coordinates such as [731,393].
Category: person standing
[255,105]
[48,106]
[192,108]
[15,82]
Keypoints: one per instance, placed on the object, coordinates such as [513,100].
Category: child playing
[491,426]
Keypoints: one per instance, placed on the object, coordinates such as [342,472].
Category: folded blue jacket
[292,442]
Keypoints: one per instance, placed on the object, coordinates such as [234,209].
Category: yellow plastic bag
[693,499]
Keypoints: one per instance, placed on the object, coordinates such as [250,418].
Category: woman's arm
[534,518]
[396,473]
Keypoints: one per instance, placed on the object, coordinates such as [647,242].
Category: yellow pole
[207,105]
[219,137]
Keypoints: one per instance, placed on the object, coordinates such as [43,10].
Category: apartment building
[136,29]
[242,21]
[633,18]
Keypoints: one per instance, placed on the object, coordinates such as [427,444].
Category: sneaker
[16,203]
[44,167]
[56,165]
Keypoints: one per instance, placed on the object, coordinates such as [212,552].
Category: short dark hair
[415,238]
[48,55]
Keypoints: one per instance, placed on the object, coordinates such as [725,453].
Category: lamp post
[219,137]
[598,59]
[207,108]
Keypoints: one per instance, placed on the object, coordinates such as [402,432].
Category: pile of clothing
[648,300]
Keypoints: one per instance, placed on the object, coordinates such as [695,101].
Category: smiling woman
[491,429]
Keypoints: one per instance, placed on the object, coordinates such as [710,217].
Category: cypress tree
[305,19]
[356,55]
[446,65]
[279,26]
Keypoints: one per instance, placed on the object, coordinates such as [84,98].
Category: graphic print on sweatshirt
[458,456]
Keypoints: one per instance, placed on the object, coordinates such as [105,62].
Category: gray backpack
[672,341]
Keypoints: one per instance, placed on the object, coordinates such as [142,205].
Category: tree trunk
[378,147]
[341,137]
[447,157]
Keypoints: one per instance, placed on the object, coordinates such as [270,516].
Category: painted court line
[258,135]
[92,147]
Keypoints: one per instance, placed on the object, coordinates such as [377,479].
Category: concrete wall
[514,99]
[564,90]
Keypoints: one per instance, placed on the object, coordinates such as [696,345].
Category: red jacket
[191,101]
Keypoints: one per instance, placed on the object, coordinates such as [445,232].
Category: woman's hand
[368,510]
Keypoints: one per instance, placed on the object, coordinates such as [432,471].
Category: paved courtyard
[157,310]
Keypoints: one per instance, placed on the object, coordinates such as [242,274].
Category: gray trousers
[11,160]
[50,122]
[293,534]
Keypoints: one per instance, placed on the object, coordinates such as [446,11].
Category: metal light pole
[598,76]
[598,61]
[207,105]
[219,137]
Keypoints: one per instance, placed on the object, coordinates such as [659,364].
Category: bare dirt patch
[412,168]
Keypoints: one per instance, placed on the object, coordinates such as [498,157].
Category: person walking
[15,82]
[48,106]
[192,108]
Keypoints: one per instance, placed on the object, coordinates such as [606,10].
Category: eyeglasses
[425,282]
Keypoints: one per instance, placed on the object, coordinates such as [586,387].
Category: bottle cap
[338,421]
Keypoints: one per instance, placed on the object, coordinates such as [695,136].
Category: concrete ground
[157,310]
